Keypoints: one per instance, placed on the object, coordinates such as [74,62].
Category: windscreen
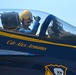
[60,29]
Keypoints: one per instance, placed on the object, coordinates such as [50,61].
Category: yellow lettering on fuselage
[37,47]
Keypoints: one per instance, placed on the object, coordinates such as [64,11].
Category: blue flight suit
[31,31]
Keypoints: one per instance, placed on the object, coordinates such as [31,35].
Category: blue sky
[63,9]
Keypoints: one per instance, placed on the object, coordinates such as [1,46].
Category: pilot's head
[26,18]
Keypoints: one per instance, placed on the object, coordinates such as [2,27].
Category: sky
[63,9]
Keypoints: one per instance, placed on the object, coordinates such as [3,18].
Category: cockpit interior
[51,27]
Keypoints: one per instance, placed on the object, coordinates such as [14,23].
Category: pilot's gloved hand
[37,18]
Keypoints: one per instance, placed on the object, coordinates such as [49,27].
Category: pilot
[26,20]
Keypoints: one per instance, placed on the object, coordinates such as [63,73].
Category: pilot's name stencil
[22,44]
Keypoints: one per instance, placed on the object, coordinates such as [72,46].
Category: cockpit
[50,26]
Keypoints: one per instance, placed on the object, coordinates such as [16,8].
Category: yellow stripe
[33,39]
